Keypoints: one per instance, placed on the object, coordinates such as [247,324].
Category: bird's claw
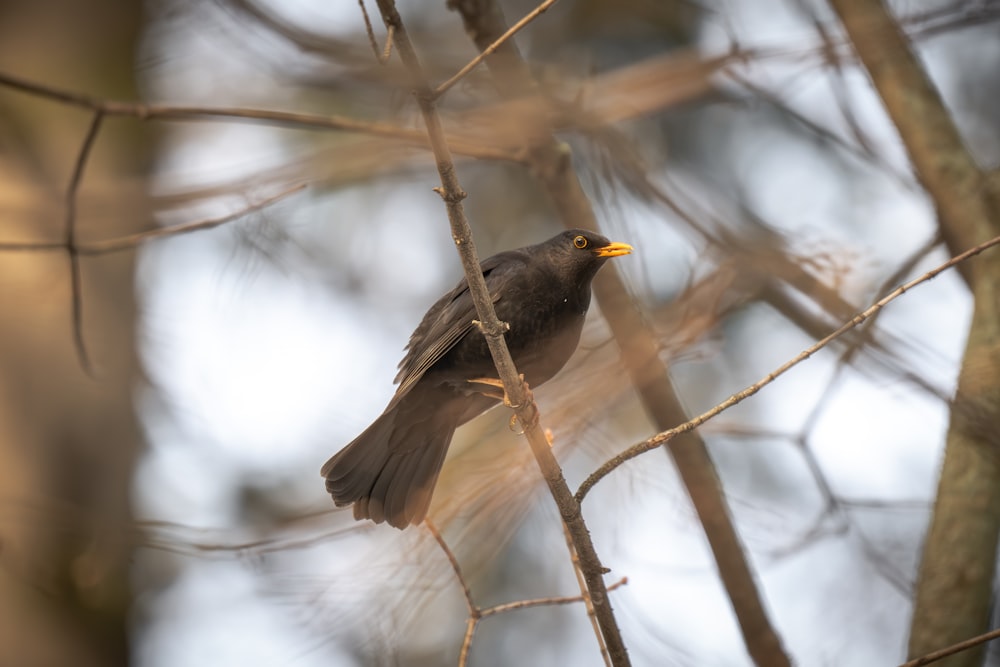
[512,425]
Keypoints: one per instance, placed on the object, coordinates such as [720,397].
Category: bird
[447,375]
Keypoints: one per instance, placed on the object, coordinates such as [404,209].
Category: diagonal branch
[661,438]
[527,413]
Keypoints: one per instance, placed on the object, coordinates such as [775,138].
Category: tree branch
[452,194]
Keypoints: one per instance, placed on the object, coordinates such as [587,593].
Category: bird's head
[582,252]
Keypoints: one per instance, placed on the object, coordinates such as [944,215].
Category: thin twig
[382,56]
[543,602]
[475,613]
[469,602]
[953,649]
[514,29]
[76,280]
[660,438]
[581,582]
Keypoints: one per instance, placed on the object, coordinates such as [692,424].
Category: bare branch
[665,436]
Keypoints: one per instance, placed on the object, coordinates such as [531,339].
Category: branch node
[451,197]
[492,332]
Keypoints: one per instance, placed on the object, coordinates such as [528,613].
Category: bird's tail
[389,471]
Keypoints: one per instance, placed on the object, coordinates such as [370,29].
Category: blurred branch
[75,249]
[514,388]
[281,118]
[914,105]
[76,282]
[132,240]
[321,44]
[514,29]
[382,57]
[660,438]
[550,162]
[959,561]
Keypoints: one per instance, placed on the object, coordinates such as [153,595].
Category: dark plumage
[542,292]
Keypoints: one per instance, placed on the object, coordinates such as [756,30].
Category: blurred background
[166,509]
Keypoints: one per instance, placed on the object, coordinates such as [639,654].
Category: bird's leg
[493,388]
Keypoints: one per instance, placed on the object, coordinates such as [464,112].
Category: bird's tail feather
[389,471]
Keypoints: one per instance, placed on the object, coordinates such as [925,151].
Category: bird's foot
[493,388]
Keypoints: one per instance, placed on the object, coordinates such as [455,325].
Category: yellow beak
[613,250]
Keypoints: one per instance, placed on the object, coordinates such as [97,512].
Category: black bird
[447,376]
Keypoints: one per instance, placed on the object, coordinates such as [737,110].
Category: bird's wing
[449,320]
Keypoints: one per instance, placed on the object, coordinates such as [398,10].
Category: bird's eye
[580,242]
